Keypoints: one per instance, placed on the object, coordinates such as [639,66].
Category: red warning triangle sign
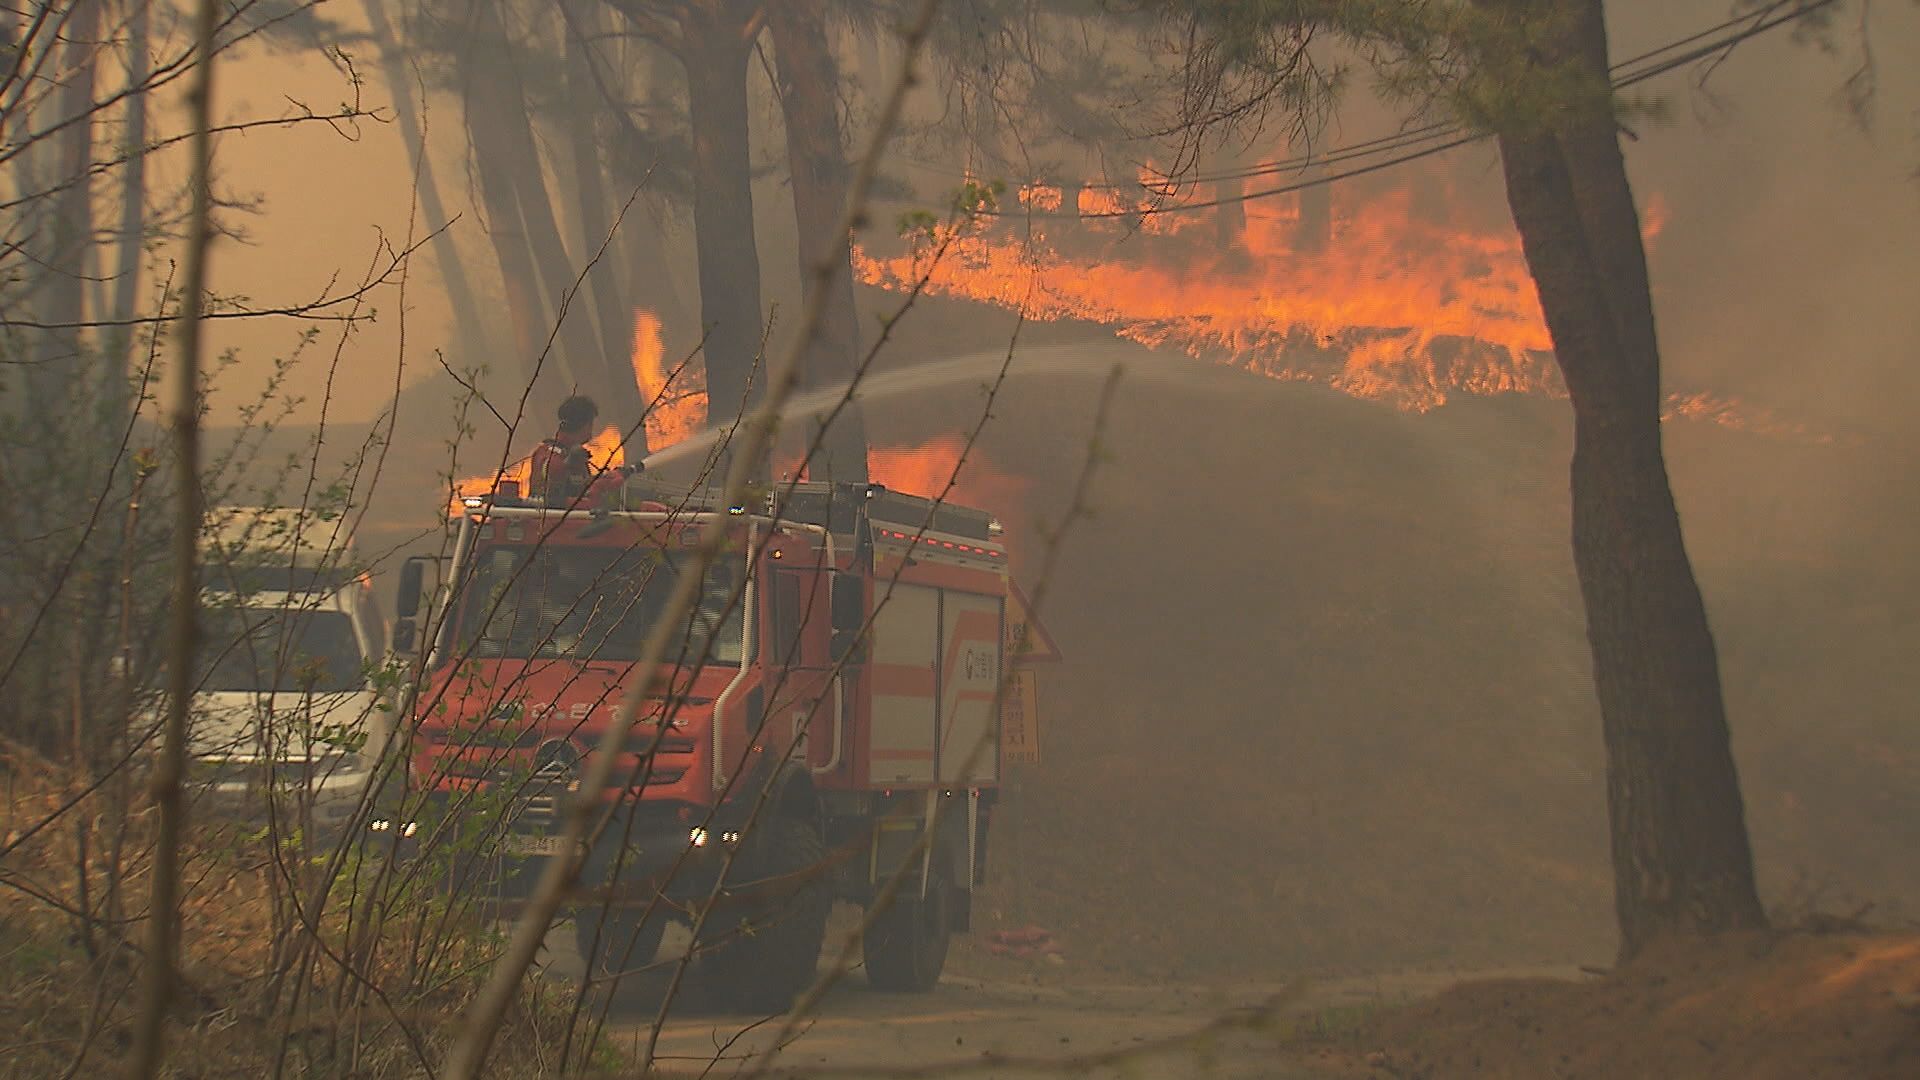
[1027,641]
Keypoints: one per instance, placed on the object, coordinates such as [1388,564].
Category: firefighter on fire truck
[561,472]
[561,466]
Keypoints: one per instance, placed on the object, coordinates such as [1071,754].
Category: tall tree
[475,55]
[713,40]
[808,80]
[509,163]
[1681,859]
[469,330]
[594,227]
[1535,74]
[55,379]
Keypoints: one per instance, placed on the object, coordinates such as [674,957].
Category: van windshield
[590,603]
[276,649]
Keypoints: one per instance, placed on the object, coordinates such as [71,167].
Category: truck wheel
[624,944]
[762,957]
[905,946]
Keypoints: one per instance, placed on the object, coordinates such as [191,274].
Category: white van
[284,702]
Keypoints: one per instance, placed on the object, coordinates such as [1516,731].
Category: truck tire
[761,958]
[905,946]
[616,941]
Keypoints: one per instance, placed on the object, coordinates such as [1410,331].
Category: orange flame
[927,468]
[922,470]
[605,450]
[676,400]
[1400,300]
[1395,306]
[676,408]
[1739,416]
[1040,197]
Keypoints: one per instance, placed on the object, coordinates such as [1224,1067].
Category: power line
[1448,136]
[1621,71]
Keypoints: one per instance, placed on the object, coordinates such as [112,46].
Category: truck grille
[556,771]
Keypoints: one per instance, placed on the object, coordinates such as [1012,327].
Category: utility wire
[1443,136]
[1621,70]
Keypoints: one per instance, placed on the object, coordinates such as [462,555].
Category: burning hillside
[1408,294]
[1399,294]
[1390,302]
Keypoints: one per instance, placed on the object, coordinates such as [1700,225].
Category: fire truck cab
[823,726]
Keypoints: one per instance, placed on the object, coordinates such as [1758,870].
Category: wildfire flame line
[1396,300]
[1394,305]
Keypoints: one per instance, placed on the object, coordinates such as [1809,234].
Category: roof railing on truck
[817,506]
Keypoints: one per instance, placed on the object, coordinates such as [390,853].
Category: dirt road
[986,1029]
[975,1027]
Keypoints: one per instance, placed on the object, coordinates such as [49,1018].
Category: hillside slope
[1326,702]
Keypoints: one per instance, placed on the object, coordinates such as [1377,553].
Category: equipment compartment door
[903,666]
[969,674]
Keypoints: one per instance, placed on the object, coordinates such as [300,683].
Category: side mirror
[412,580]
[403,636]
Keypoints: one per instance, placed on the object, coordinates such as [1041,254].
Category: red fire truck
[823,724]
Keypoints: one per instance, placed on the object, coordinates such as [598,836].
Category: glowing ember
[1740,416]
[1040,197]
[676,400]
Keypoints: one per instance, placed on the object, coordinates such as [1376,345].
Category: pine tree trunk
[513,157]
[1682,863]
[619,393]
[130,245]
[470,333]
[56,380]
[809,84]
[714,52]
[559,270]
[525,311]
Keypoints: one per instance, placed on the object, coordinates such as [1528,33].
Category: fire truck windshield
[590,603]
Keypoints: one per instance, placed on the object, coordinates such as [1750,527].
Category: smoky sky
[1784,272]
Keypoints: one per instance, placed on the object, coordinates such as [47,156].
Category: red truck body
[841,673]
